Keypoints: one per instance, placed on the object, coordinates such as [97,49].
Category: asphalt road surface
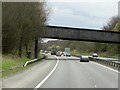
[67,74]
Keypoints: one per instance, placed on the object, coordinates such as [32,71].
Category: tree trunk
[26,45]
[36,48]
[20,48]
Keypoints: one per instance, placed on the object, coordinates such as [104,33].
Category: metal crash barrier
[108,62]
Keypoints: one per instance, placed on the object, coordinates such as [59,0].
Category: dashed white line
[43,81]
[105,67]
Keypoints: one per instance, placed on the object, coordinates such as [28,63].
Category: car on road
[46,52]
[42,52]
[67,55]
[64,54]
[53,52]
[94,55]
[59,53]
[84,59]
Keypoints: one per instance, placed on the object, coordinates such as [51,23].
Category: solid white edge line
[40,84]
[105,67]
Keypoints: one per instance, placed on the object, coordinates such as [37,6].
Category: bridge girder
[81,34]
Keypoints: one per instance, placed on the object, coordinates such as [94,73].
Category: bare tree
[111,24]
[23,23]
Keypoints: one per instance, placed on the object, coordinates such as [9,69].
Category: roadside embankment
[11,65]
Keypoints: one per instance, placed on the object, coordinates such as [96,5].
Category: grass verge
[12,65]
[80,53]
[101,54]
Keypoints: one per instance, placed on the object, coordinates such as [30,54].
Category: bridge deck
[81,34]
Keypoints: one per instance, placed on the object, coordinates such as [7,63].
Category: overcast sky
[82,13]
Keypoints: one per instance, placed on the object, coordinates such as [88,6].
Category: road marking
[43,81]
[105,67]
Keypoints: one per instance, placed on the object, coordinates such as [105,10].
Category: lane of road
[75,74]
[68,74]
[29,78]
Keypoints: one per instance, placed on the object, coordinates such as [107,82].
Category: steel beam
[81,34]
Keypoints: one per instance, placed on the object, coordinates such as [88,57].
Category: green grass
[8,62]
[79,53]
[13,71]
[11,65]
[102,54]
[109,55]
[40,55]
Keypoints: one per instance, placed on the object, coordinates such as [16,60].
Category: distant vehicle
[63,53]
[95,55]
[84,59]
[68,55]
[53,52]
[42,52]
[46,52]
[67,52]
[59,53]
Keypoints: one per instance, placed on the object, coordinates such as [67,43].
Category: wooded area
[22,25]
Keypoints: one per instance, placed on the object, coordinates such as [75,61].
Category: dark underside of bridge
[81,34]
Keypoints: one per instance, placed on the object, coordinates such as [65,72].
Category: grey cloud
[83,14]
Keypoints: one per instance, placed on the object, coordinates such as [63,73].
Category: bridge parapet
[81,34]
